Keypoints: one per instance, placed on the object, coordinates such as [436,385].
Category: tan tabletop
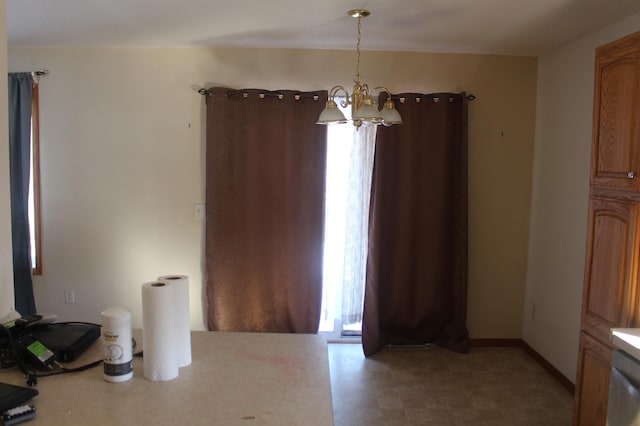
[234,379]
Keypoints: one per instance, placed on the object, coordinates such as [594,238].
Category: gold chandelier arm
[390,114]
[365,90]
[384,89]
[335,91]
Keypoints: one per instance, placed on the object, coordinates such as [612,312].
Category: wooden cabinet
[610,293]
[594,369]
[611,267]
[616,123]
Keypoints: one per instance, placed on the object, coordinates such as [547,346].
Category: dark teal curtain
[20,99]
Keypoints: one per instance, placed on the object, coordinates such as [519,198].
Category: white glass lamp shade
[331,114]
[390,114]
[367,113]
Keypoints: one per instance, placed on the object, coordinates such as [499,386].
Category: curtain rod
[262,93]
[39,73]
[271,94]
[205,92]
[36,74]
[436,96]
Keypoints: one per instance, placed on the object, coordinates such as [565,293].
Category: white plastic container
[116,345]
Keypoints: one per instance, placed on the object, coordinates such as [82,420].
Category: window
[338,153]
[348,187]
[34,186]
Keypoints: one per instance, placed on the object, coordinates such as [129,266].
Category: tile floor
[434,386]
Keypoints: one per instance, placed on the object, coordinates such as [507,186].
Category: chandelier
[364,110]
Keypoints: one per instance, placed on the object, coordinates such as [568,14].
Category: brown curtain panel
[265,183]
[416,285]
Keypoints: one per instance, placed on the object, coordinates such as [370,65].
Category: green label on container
[40,351]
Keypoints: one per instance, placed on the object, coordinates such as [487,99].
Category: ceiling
[509,27]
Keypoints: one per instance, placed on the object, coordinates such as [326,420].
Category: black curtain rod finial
[200,90]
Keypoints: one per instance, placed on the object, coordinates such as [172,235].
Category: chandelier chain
[357,79]
[365,110]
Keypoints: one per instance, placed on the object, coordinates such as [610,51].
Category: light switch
[69,296]
[198,211]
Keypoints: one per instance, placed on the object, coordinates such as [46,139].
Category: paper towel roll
[159,333]
[180,284]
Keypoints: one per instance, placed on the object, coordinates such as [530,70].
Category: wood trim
[564,381]
[479,343]
[555,373]
[617,194]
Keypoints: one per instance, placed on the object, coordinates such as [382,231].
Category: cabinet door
[609,296]
[592,385]
[616,122]
[609,292]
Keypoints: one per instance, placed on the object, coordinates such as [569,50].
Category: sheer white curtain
[357,218]
[349,167]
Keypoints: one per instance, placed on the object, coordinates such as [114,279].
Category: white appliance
[624,386]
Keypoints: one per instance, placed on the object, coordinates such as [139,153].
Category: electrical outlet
[69,296]
[533,311]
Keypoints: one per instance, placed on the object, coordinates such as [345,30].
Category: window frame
[35,167]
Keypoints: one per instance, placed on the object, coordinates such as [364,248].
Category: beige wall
[6,262]
[560,196]
[122,164]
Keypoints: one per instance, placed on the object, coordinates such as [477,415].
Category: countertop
[627,339]
[234,379]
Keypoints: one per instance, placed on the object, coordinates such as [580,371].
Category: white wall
[122,151]
[560,196]
[6,260]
